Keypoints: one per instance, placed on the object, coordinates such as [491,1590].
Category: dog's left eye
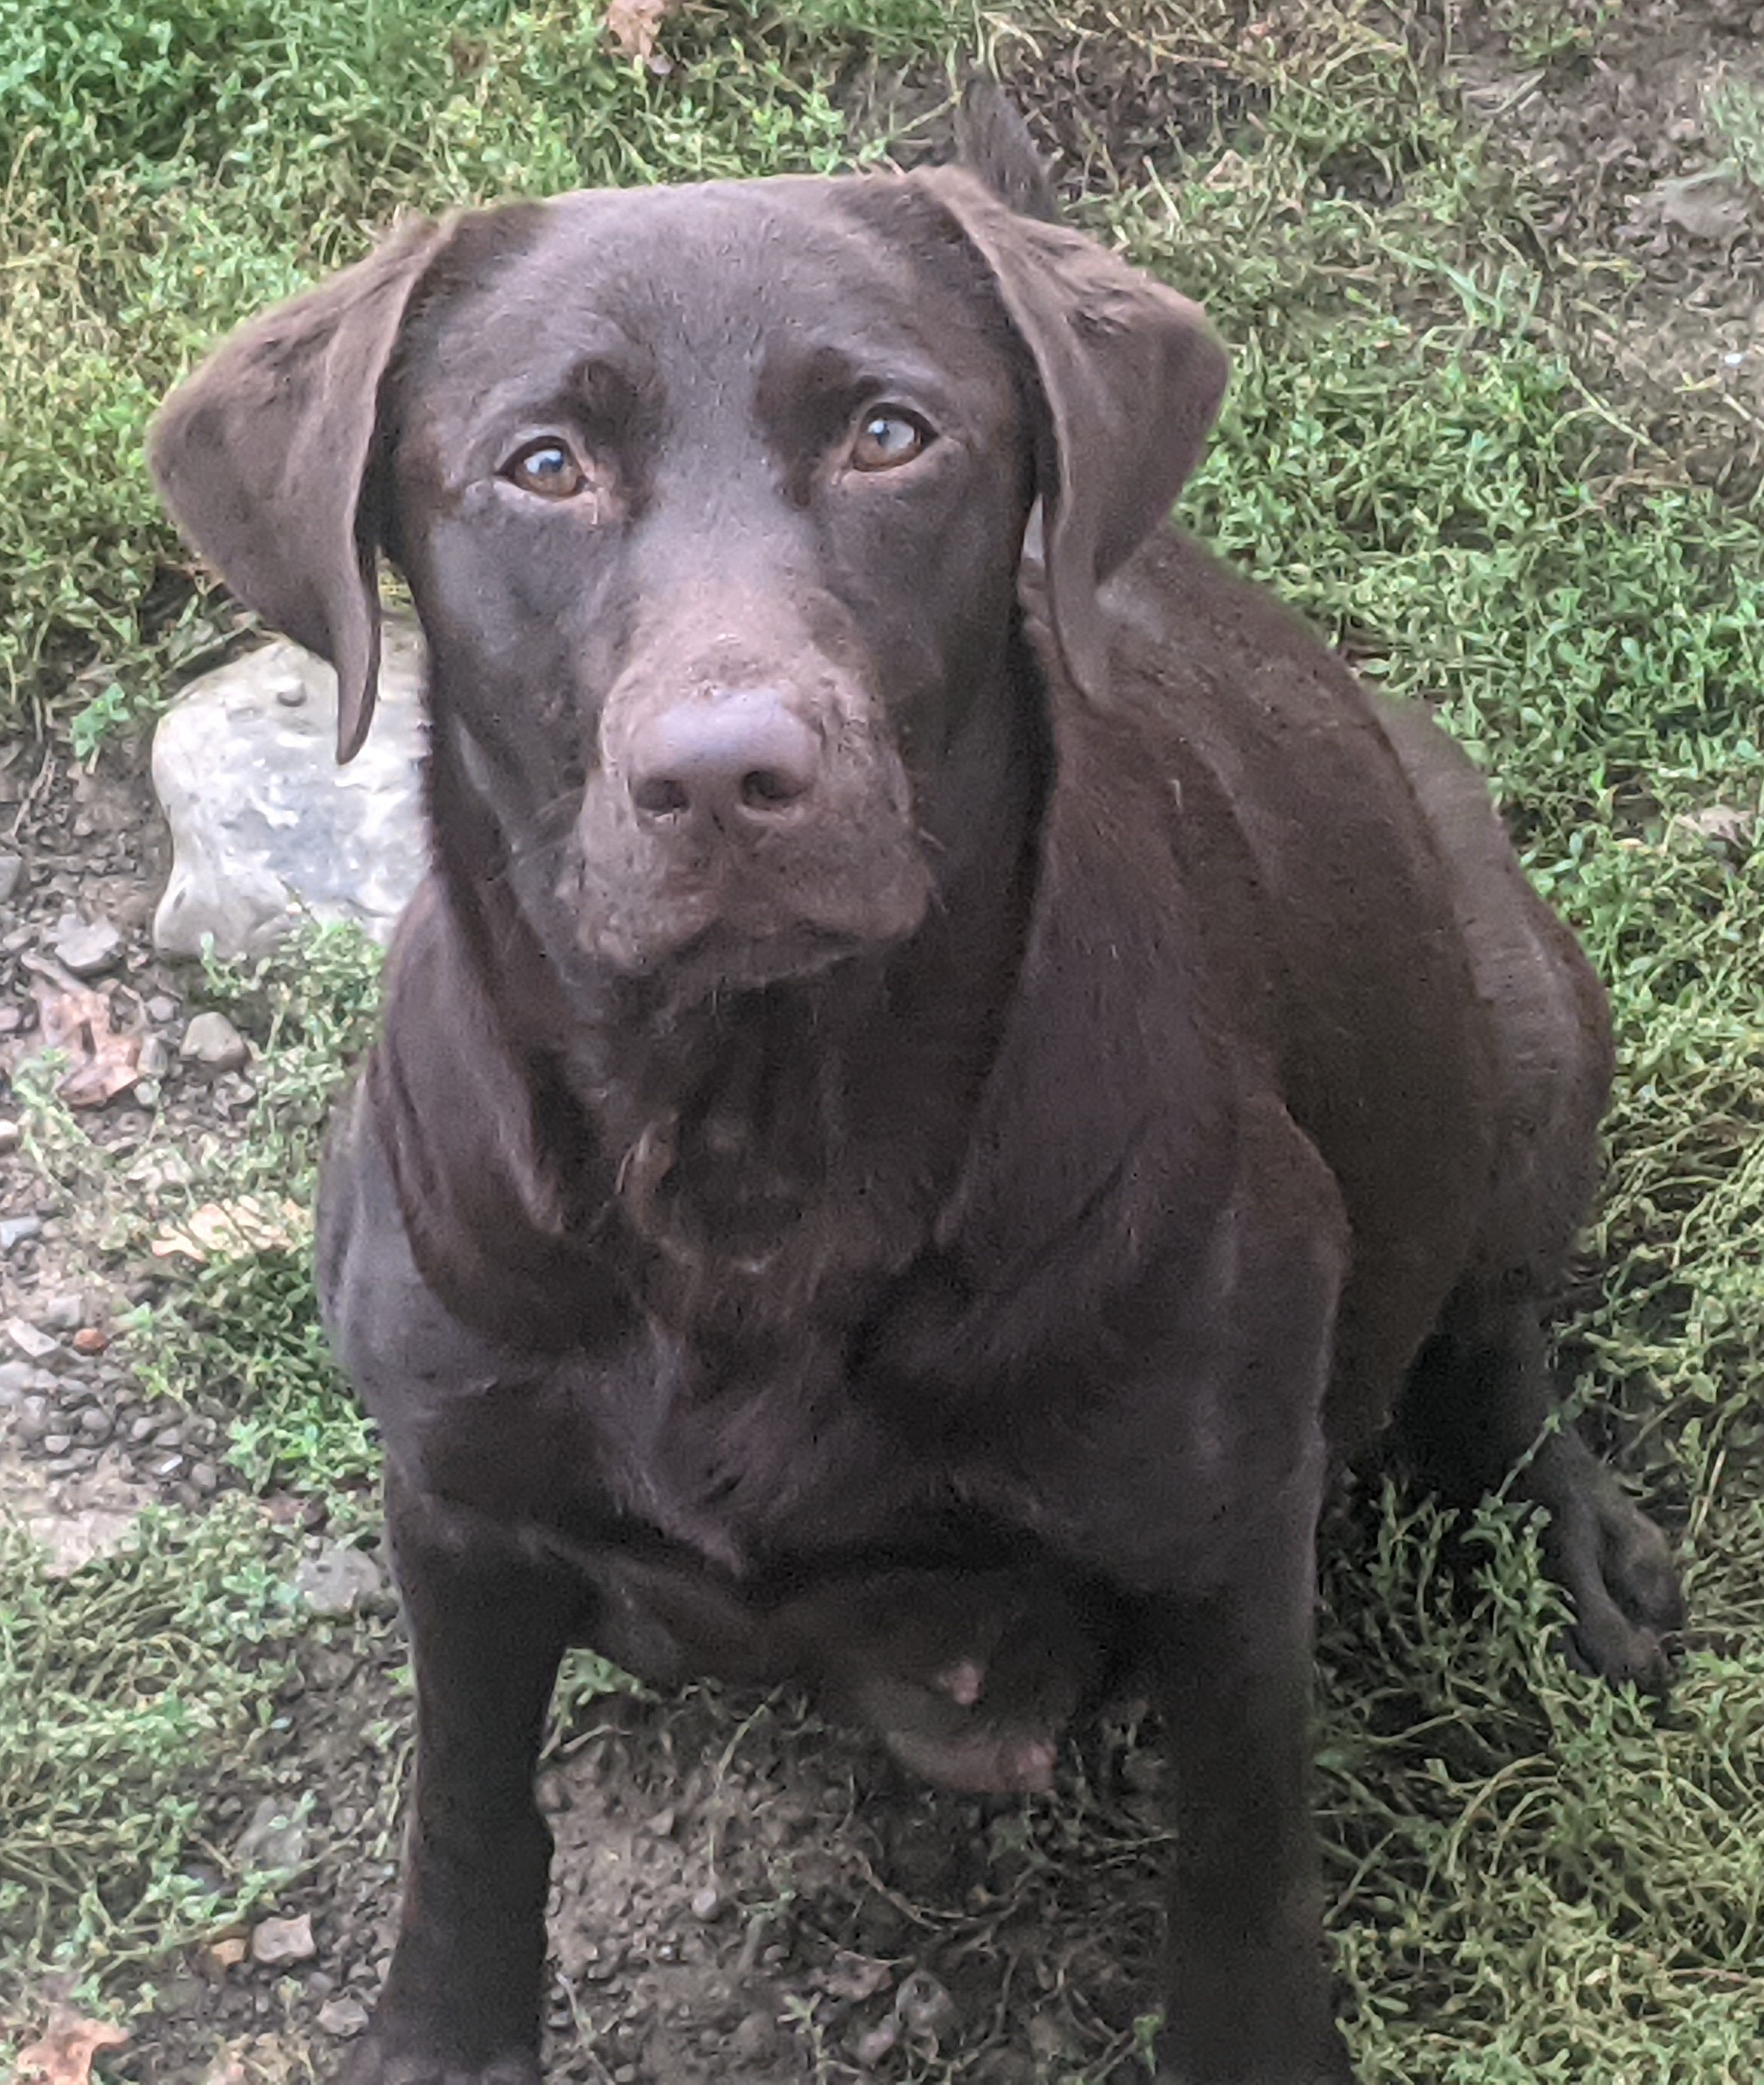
[548,468]
[888,438]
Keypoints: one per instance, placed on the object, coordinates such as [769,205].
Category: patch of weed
[120,1687]
[244,1333]
[1540,31]
[1735,109]
[240,1332]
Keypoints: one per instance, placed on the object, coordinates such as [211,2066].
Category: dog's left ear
[1132,375]
[265,457]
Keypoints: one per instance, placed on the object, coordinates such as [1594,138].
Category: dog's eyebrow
[616,385]
[807,389]
[609,380]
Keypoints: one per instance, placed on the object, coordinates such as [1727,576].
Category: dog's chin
[703,959]
[719,960]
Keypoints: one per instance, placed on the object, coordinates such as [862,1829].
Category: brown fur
[951,1058]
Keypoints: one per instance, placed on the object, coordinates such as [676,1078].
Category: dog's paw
[1263,2018]
[375,2060]
[1329,2066]
[1617,1571]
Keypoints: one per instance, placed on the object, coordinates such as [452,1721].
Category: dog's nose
[740,758]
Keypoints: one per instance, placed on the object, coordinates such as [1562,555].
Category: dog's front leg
[1200,1497]
[462,2001]
[1248,1996]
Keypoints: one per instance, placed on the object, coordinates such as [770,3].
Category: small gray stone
[57,1444]
[274,1838]
[205,1477]
[96,1424]
[212,1040]
[155,1060]
[755,2038]
[61,1314]
[17,1377]
[35,1346]
[10,1137]
[84,946]
[15,1230]
[1708,206]
[923,2006]
[336,1579]
[870,2048]
[162,1007]
[279,1942]
[343,2017]
[708,1904]
[11,870]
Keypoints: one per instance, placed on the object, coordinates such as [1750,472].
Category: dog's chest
[750,1454]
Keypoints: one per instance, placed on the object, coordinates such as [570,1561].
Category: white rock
[277,1942]
[85,946]
[336,1579]
[34,1345]
[266,827]
[343,2016]
[211,1039]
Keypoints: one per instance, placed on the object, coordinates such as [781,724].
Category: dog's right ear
[265,457]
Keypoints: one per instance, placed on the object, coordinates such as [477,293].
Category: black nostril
[771,788]
[660,797]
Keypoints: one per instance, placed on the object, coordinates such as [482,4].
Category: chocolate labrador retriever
[951,1058]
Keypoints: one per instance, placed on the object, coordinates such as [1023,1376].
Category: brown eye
[548,468]
[888,438]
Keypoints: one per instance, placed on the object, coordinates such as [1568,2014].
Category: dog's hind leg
[1482,1402]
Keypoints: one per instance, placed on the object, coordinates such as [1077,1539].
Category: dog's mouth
[742,928]
[722,958]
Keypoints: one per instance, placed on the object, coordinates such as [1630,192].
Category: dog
[951,1060]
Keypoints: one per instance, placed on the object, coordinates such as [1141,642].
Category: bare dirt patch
[1645,150]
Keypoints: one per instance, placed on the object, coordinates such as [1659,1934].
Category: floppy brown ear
[264,457]
[1132,375]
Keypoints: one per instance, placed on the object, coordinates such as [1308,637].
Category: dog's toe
[1617,1570]
[372,2062]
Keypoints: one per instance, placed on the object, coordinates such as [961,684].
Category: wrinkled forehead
[700,284]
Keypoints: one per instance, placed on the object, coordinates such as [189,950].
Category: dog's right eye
[548,468]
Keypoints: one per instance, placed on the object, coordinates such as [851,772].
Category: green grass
[1532,1879]
[120,1687]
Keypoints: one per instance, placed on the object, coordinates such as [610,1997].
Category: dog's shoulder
[449,1113]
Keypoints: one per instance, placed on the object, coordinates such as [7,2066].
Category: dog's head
[712,502]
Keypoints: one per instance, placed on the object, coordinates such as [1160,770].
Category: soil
[1658,259]
[742,1893]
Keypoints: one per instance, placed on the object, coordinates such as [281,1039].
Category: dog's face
[711,501]
[716,559]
